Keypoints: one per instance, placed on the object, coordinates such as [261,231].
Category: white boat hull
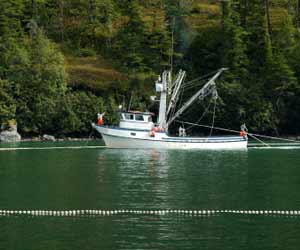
[125,138]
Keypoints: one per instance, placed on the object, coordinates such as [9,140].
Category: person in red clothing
[244,131]
[100,119]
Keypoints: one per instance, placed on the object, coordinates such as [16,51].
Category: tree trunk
[244,12]
[225,6]
[298,14]
[34,10]
[91,11]
[267,6]
[290,7]
[61,19]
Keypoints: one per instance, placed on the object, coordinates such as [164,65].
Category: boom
[207,89]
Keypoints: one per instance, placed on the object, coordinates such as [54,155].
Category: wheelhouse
[136,120]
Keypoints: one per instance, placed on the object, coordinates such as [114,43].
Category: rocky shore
[10,134]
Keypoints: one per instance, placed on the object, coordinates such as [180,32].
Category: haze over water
[100,178]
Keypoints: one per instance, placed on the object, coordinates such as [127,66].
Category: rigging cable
[180,102]
[275,138]
[204,113]
[214,114]
[236,131]
[200,78]
[255,138]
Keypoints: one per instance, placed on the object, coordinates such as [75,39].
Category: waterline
[48,148]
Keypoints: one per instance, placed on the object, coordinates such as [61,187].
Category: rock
[11,134]
[48,138]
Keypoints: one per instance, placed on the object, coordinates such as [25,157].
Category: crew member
[243,131]
[182,132]
[100,119]
[152,132]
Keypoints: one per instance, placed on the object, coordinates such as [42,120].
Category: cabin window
[139,118]
[150,119]
[129,116]
[133,134]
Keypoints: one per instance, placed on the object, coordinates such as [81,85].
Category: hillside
[98,73]
[93,73]
[63,61]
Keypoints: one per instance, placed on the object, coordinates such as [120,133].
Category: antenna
[172,45]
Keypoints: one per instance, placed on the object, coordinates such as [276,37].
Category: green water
[99,178]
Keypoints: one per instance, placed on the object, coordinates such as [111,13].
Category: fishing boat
[137,130]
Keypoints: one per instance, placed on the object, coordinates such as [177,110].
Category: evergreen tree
[7,102]
[77,110]
[98,27]
[10,17]
[131,40]
[234,56]
[43,84]
[259,47]
[235,43]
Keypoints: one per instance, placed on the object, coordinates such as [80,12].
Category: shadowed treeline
[62,61]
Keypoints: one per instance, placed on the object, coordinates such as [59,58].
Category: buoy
[93,213]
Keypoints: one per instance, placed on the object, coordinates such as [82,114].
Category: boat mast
[207,89]
[162,87]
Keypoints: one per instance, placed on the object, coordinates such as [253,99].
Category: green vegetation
[62,61]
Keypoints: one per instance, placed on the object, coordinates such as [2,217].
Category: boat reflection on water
[174,178]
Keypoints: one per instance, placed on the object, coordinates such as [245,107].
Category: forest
[63,61]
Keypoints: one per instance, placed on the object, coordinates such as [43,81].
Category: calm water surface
[99,178]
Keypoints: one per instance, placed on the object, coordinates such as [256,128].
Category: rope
[181,96]
[192,86]
[92,212]
[205,126]
[200,78]
[90,136]
[204,113]
[213,121]
[236,131]
[266,144]
[275,138]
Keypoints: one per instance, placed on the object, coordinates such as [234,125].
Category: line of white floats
[74,213]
